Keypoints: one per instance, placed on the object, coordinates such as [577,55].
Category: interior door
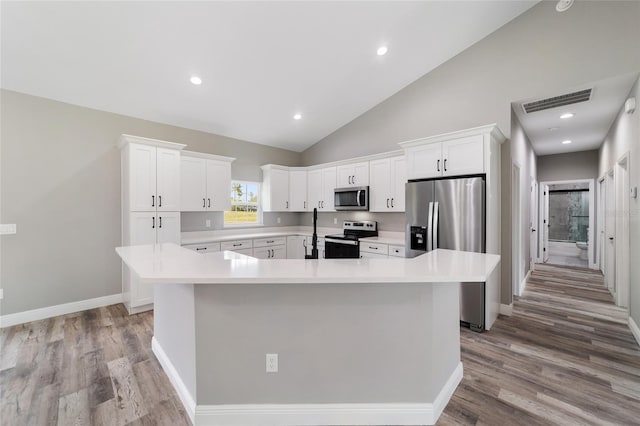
[601,219]
[533,251]
[610,233]
[545,223]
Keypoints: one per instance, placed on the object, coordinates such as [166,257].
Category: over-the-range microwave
[352,198]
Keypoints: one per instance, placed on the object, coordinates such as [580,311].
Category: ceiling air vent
[557,101]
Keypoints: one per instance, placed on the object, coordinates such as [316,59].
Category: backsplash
[391,222]
[197,221]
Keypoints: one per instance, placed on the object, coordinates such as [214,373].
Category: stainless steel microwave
[353,198]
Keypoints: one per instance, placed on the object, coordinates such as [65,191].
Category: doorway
[600,240]
[568,223]
[610,233]
[533,224]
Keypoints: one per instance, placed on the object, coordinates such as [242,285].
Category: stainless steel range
[347,244]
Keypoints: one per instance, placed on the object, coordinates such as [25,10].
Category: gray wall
[569,166]
[60,175]
[623,137]
[522,59]
[386,221]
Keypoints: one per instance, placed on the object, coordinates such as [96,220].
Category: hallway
[566,356]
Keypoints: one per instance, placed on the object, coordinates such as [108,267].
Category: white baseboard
[523,284]
[183,393]
[330,414]
[54,311]
[506,309]
[634,329]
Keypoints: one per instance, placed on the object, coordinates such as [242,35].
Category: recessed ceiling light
[196,80]
[382,50]
[566,142]
[567,115]
[297,116]
[563,5]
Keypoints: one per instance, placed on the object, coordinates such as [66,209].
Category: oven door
[341,249]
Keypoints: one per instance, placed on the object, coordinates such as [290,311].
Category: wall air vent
[557,101]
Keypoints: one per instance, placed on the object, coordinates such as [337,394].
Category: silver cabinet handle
[159,200]
[153,223]
[204,203]
[153,201]
[392,203]
[209,199]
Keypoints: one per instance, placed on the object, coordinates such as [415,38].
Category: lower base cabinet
[296,247]
[275,252]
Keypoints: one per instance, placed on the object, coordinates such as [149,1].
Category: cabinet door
[262,253]
[218,185]
[328,186]
[193,184]
[398,180]
[296,247]
[142,174]
[298,190]
[314,189]
[168,179]
[279,190]
[367,255]
[168,227]
[343,176]
[380,185]
[360,174]
[463,156]
[424,161]
[142,228]
[279,252]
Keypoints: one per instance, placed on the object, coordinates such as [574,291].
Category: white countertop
[170,263]
[393,238]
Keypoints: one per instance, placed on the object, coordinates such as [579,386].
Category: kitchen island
[358,341]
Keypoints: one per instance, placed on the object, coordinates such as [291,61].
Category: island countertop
[170,263]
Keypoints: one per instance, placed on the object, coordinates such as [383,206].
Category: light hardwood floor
[566,356]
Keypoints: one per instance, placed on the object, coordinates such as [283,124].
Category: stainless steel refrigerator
[450,214]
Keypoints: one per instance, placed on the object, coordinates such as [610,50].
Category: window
[245,204]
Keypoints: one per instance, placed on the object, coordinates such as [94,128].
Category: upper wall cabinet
[321,183]
[275,188]
[430,157]
[356,174]
[387,179]
[151,170]
[205,182]
[298,189]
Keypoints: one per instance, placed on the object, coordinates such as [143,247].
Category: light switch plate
[8,229]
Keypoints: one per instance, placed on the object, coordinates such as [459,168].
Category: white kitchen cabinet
[396,251]
[387,182]
[321,183]
[205,182]
[375,248]
[356,174]
[150,189]
[275,188]
[296,246]
[276,252]
[269,242]
[298,190]
[368,255]
[434,157]
[236,245]
[246,252]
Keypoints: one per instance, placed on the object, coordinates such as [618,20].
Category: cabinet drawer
[367,255]
[268,242]
[236,245]
[397,251]
[376,248]
[203,248]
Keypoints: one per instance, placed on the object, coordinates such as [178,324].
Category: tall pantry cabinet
[150,176]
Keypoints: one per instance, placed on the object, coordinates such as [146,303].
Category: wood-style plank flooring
[566,357]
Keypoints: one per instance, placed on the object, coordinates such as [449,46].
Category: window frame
[259,221]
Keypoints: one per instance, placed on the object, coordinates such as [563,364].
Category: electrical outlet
[272,363]
[207,223]
[278,220]
[8,229]
[335,220]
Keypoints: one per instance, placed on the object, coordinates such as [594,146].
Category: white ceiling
[587,128]
[261,62]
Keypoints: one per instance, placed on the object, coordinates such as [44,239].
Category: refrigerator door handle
[436,211]
[430,228]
